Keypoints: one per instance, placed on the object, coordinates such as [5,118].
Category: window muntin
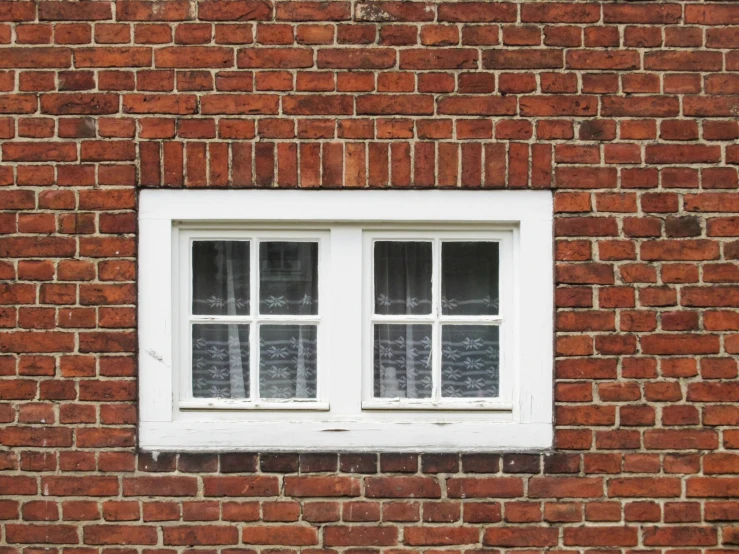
[434,319]
[245,354]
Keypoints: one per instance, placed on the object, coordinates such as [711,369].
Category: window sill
[343,436]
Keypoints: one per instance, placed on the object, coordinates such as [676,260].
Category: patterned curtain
[403,287]
[220,361]
[287,365]
[402,355]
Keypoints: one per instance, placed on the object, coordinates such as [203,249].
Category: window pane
[288,278]
[469,278]
[220,361]
[470,356]
[287,361]
[402,361]
[402,278]
[220,277]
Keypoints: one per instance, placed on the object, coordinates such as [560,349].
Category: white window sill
[344,436]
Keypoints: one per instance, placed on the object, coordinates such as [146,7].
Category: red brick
[520,536]
[160,486]
[477,12]
[680,536]
[601,536]
[440,536]
[322,486]
[402,487]
[240,486]
[502,487]
[229,11]
[43,534]
[145,10]
[120,534]
[288,535]
[357,58]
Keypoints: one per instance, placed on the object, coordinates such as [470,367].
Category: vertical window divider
[254,312]
[190,280]
[436,314]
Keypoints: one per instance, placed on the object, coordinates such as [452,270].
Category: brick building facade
[627,111]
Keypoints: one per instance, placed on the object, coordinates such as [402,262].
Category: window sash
[255,236]
[441,234]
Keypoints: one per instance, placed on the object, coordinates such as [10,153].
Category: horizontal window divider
[448,405]
[295,319]
[495,320]
[221,319]
[295,404]
[471,320]
[288,318]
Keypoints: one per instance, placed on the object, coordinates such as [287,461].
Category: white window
[345,320]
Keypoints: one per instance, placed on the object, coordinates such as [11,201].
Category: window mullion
[254,329]
[186,381]
[436,312]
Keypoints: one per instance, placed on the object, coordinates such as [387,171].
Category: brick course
[627,111]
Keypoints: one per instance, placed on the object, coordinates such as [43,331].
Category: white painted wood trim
[378,436]
[379,206]
[521,421]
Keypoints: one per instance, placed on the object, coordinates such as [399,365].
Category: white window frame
[345,416]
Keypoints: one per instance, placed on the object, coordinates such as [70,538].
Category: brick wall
[624,109]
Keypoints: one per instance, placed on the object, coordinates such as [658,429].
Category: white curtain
[236,372]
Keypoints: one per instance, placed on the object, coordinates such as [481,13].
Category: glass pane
[220,361]
[287,361]
[470,358]
[288,278]
[469,278]
[220,277]
[402,278]
[402,361]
